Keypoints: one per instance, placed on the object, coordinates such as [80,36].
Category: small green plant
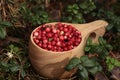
[85,66]
[34,16]
[101,49]
[111,63]
[114,21]
[73,14]
[12,63]
[3,25]
[113,27]
[116,42]
[111,17]
[87,6]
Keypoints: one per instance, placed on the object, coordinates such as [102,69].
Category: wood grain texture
[51,64]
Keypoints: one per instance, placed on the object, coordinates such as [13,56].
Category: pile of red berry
[59,37]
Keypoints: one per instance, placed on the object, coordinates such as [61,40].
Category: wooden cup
[51,64]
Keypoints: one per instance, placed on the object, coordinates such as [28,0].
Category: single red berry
[47,29]
[45,41]
[53,43]
[35,34]
[39,37]
[76,43]
[49,43]
[65,37]
[44,37]
[67,33]
[61,28]
[58,43]
[36,41]
[59,49]
[78,39]
[65,48]
[40,45]
[49,46]
[65,29]
[61,37]
[49,35]
[44,46]
[43,33]
[55,48]
[63,44]
[58,31]
[55,35]
[54,30]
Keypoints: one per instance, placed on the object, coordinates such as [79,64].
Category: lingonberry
[58,43]
[36,34]
[61,37]
[48,29]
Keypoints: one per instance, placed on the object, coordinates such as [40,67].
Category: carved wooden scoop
[51,64]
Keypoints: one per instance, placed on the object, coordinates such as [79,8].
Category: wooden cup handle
[93,29]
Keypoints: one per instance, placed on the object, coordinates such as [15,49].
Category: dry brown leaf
[101,76]
[115,73]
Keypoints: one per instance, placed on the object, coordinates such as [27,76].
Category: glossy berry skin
[58,38]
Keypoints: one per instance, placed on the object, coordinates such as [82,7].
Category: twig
[113,55]
[10,9]
[19,74]
[13,39]
[46,3]
[5,59]
[61,9]
[0,6]
[3,9]
[101,76]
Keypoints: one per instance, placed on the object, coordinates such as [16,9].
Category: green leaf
[11,46]
[23,73]
[109,27]
[15,68]
[2,77]
[110,67]
[15,49]
[27,65]
[2,33]
[95,69]
[83,6]
[98,49]
[80,67]
[101,40]
[89,41]
[84,58]
[72,63]
[117,63]
[83,73]
[75,11]
[89,63]
[4,64]
[76,6]
[5,24]
[118,29]
[112,60]
[111,63]
[70,7]
[87,48]
[109,47]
